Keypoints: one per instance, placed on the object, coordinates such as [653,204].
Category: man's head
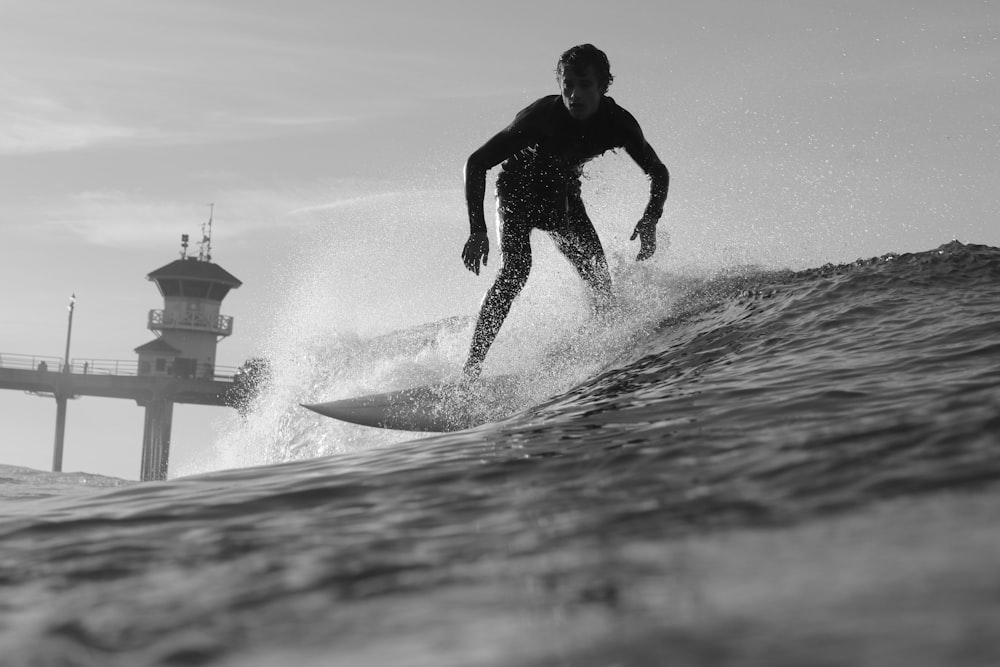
[584,76]
[579,58]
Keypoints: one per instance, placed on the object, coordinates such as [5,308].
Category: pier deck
[49,376]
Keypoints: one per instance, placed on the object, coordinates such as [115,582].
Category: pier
[177,366]
[51,376]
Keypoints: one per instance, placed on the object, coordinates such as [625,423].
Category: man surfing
[543,152]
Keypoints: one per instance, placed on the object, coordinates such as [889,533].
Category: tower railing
[194,321]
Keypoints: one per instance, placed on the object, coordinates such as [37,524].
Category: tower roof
[191,268]
[157,345]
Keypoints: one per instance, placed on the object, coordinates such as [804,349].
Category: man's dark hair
[580,57]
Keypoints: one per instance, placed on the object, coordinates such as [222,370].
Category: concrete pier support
[156,440]
[156,394]
[57,449]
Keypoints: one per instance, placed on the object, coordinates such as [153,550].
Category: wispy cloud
[125,219]
[32,122]
[165,75]
[130,219]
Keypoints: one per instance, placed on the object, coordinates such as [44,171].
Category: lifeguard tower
[189,326]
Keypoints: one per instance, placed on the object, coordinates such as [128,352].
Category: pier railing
[89,366]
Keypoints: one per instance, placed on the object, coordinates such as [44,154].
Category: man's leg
[515,264]
[579,243]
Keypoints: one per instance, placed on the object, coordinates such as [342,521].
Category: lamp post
[69,331]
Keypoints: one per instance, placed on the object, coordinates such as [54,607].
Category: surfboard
[440,407]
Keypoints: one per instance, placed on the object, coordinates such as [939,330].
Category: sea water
[753,467]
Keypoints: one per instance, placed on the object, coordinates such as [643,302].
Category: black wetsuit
[543,152]
[549,151]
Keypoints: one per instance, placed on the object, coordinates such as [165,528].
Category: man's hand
[476,249]
[646,231]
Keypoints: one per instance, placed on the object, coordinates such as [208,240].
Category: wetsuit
[543,152]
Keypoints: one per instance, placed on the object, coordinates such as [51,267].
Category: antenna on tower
[205,247]
[184,246]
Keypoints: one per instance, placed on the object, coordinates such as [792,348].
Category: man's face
[581,93]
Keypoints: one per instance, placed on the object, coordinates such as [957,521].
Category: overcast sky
[330,136]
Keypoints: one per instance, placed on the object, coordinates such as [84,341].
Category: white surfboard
[434,408]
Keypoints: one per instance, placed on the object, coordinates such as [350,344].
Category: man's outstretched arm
[493,152]
[659,183]
[477,248]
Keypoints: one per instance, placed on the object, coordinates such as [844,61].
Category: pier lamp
[69,331]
